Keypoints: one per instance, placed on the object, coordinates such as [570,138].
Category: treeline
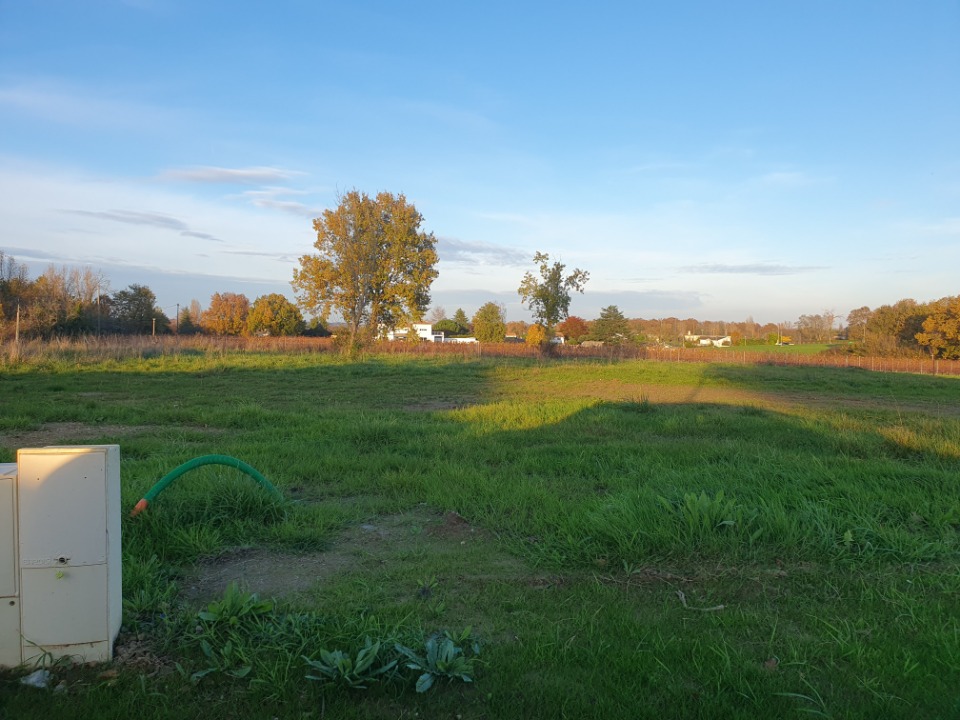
[76,301]
[905,329]
[70,302]
[613,326]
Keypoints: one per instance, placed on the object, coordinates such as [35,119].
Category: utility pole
[16,331]
[176,321]
[153,331]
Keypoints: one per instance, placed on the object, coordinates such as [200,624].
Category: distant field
[622,538]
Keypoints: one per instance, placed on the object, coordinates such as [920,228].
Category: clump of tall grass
[703,520]
[644,524]
[700,524]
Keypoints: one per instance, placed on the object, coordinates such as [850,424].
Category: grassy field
[589,539]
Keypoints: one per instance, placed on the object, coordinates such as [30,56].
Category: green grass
[792,349]
[648,539]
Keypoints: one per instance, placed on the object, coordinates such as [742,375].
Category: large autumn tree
[574,329]
[227,314]
[941,329]
[548,296]
[373,266]
[274,315]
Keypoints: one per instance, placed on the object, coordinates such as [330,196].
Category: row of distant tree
[904,328]
[76,301]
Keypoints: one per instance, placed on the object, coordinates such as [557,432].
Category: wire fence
[114,347]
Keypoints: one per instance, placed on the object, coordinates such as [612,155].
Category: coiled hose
[198,462]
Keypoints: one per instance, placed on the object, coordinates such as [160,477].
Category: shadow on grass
[622,482]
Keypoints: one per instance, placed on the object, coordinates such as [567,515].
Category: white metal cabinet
[65,612]
[9,632]
[8,530]
[63,507]
[9,600]
[65,606]
[68,501]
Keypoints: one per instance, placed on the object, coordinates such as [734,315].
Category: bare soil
[66,433]
[275,574]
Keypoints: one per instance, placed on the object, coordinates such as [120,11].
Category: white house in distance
[708,340]
[424,331]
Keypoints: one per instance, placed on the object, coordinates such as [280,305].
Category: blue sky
[698,159]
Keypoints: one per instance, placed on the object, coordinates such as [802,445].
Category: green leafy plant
[702,516]
[426,592]
[235,606]
[443,658]
[228,659]
[225,632]
[339,668]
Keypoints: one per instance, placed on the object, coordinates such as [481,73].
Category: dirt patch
[265,572]
[72,433]
[374,543]
[66,433]
[138,651]
[452,526]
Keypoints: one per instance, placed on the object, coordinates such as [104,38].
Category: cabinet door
[8,538]
[62,503]
[63,606]
[9,632]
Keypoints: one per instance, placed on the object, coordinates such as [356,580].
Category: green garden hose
[198,462]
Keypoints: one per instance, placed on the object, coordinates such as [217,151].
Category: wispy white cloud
[644,303]
[649,303]
[751,269]
[229,176]
[479,253]
[274,199]
[151,219]
[93,217]
[22,254]
[278,256]
[288,206]
[271,197]
[640,280]
[54,101]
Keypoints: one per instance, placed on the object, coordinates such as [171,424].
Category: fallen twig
[683,601]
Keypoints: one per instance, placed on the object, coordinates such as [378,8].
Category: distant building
[424,331]
[708,340]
